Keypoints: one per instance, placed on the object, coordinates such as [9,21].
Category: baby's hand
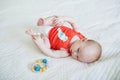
[30,32]
[33,34]
[45,40]
[42,36]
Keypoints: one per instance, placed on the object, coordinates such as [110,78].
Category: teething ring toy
[40,65]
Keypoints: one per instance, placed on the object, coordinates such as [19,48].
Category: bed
[96,19]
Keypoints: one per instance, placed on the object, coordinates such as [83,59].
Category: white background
[96,19]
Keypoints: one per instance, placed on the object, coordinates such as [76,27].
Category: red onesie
[61,36]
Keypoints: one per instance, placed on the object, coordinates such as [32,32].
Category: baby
[57,40]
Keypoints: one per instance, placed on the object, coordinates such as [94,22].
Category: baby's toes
[37,39]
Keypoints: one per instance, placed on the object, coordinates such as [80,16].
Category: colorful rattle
[40,65]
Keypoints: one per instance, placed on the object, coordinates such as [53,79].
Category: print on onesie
[61,35]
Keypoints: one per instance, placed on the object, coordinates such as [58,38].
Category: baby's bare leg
[46,21]
[56,21]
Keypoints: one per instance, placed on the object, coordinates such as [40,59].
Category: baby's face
[76,49]
[81,52]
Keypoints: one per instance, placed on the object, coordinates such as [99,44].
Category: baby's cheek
[73,56]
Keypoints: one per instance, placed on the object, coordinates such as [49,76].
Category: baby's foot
[38,41]
[49,21]
[40,22]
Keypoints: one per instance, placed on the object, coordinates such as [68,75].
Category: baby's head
[86,50]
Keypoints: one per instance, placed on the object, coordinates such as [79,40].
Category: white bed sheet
[97,19]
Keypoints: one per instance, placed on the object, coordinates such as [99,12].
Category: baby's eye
[78,50]
[77,53]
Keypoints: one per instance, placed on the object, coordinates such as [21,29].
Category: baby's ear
[40,22]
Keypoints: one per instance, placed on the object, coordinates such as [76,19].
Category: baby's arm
[47,51]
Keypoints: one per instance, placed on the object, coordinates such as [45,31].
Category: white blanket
[96,19]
